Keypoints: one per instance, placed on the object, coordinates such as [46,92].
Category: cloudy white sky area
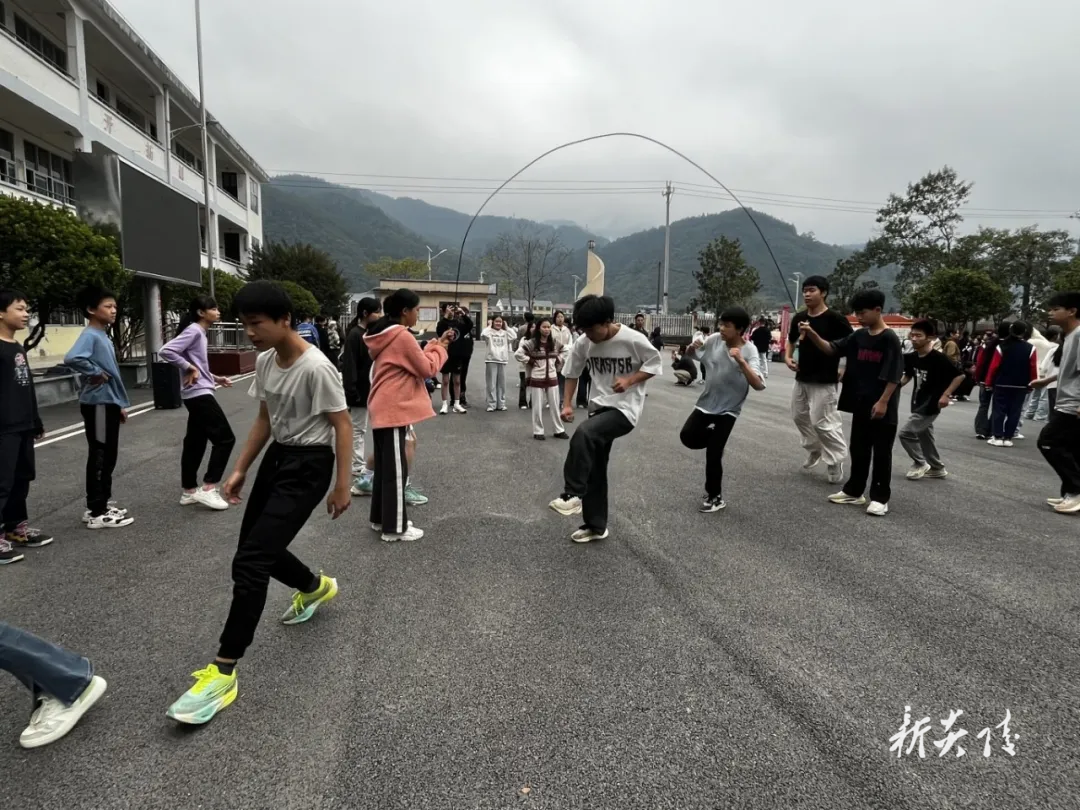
[839,99]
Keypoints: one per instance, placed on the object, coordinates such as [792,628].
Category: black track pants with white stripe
[391,473]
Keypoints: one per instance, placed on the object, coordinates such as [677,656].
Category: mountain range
[356,226]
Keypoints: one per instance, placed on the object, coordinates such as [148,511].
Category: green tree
[724,278]
[918,230]
[844,279]
[50,254]
[1026,260]
[305,265]
[1067,276]
[305,305]
[959,295]
[397,268]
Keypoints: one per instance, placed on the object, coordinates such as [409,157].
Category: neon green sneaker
[304,605]
[211,693]
[414,497]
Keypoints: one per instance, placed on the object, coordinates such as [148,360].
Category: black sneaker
[29,538]
[712,505]
[540,437]
[464,401]
[9,555]
[563,435]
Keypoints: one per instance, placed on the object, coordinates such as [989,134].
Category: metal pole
[668,191]
[211,238]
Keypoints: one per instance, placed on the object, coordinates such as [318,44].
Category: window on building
[3,17]
[40,44]
[102,91]
[255,245]
[7,158]
[230,184]
[202,233]
[187,156]
[231,247]
[130,114]
[48,174]
[254,196]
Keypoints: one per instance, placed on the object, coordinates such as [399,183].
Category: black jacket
[463,345]
[356,369]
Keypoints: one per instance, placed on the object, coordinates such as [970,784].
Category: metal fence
[225,337]
[673,328]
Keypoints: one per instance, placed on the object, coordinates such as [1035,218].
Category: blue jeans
[43,667]
[1008,403]
[1038,405]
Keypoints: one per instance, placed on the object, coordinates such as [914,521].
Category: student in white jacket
[499,340]
[1038,402]
[543,359]
[565,338]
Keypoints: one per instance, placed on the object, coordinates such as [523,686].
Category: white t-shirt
[297,398]
[498,344]
[622,355]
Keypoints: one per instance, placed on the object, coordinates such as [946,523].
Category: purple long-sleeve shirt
[187,350]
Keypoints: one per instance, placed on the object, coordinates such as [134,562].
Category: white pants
[359,428]
[763,360]
[539,395]
[813,408]
[496,384]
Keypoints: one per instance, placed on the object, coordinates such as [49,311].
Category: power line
[614,185]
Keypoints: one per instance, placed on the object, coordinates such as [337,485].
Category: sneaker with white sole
[8,554]
[587,535]
[567,504]
[1006,443]
[109,520]
[377,527]
[836,472]
[710,505]
[113,509]
[877,509]
[187,498]
[1054,501]
[812,460]
[1069,506]
[407,536]
[211,499]
[445,407]
[940,473]
[843,497]
[918,471]
[490,409]
[1018,436]
[363,485]
[52,719]
[459,408]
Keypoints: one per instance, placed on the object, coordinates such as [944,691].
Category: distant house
[517,307]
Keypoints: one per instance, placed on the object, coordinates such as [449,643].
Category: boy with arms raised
[875,364]
[302,408]
[936,377]
[619,360]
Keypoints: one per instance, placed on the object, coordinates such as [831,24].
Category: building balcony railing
[230,207]
[109,121]
[48,190]
[37,72]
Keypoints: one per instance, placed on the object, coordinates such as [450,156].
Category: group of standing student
[455,370]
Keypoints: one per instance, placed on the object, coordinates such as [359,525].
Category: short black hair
[9,297]
[263,298]
[529,317]
[820,282]
[736,316]
[91,296]
[1065,300]
[1019,329]
[594,310]
[639,315]
[867,299]
[927,327]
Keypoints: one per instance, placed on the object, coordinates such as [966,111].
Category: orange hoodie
[398,395]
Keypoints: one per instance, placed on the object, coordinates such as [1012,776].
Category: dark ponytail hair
[200,303]
[364,307]
[393,305]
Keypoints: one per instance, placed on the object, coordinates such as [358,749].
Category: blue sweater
[92,355]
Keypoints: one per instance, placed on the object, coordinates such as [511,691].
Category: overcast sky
[840,99]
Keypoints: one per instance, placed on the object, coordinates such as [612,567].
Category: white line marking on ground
[71,431]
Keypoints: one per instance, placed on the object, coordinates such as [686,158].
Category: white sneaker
[995,442]
[1054,501]
[942,473]
[113,509]
[836,472]
[211,499]
[1069,506]
[409,535]
[1018,436]
[587,535]
[52,719]
[110,520]
[917,471]
[377,527]
[186,499]
[812,460]
[1007,443]
[459,408]
[445,407]
[490,409]
[877,509]
[567,506]
[843,497]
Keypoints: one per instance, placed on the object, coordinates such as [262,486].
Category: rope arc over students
[673,150]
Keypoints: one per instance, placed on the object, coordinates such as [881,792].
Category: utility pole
[576,280]
[1076,215]
[797,281]
[668,191]
[211,238]
[430,257]
[659,284]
